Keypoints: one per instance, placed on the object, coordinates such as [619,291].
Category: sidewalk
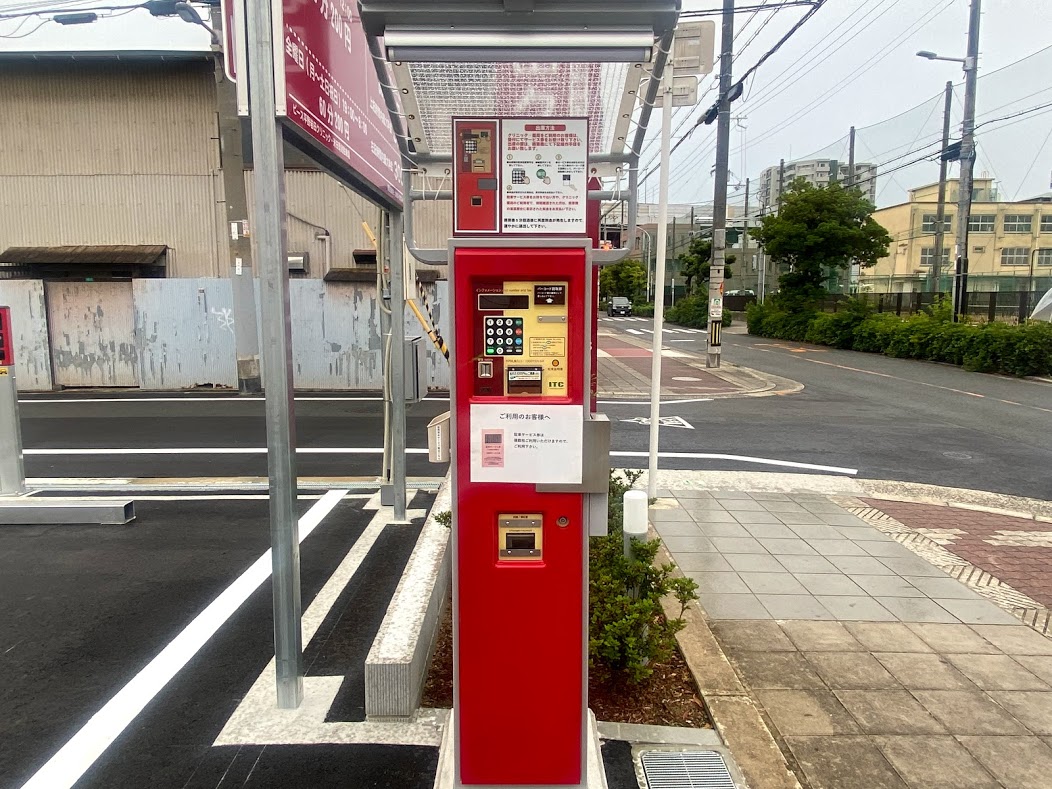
[869,666]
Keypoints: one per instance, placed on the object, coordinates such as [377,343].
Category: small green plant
[628,630]
[445,518]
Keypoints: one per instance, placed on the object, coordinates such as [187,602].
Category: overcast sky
[853,63]
[794,109]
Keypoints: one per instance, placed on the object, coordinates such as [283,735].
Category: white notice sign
[544,176]
[527,443]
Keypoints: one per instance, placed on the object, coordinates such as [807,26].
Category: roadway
[894,419]
[861,414]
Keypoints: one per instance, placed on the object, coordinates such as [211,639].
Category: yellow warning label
[3,371]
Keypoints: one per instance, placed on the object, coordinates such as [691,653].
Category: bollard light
[635,517]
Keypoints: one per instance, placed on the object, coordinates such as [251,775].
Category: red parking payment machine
[521,374]
[530,462]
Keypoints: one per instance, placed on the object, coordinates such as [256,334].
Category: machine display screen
[501,301]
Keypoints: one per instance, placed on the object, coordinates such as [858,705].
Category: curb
[731,708]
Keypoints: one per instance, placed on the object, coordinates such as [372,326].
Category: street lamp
[964,197]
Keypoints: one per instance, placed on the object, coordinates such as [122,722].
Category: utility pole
[851,159]
[719,206]
[272,250]
[745,229]
[964,202]
[242,275]
[850,185]
[940,215]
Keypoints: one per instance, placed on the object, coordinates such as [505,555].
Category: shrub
[643,310]
[693,312]
[987,348]
[628,632]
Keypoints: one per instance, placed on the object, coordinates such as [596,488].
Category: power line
[739,85]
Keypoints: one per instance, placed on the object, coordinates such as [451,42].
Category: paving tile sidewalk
[873,668]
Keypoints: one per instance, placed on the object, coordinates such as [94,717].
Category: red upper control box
[476,198]
[7,339]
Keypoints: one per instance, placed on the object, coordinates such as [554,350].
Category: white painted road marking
[739,459]
[663,402]
[215,451]
[74,758]
[664,421]
[196,399]
[633,331]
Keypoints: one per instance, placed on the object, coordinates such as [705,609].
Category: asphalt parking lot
[83,609]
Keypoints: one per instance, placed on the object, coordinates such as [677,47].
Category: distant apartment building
[817,172]
[1010,244]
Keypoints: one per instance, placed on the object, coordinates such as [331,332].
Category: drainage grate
[686,770]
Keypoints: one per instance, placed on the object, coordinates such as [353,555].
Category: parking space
[84,609]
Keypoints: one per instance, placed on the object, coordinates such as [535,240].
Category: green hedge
[986,348]
[693,312]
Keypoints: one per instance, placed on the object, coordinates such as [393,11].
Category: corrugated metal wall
[185,332]
[25,297]
[166,334]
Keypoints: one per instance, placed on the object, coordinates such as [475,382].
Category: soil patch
[668,698]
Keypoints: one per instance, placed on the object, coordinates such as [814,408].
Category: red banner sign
[332,94]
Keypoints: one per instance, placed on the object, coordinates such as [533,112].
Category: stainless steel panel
[93,333]
[185,330]
[66,511]
[12,469]
[25,297]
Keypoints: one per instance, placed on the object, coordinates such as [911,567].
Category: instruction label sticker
[547,346]
[539,443]
[544,172]
[549,294]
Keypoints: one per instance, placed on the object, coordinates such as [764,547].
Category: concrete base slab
[33,512]
[445,778]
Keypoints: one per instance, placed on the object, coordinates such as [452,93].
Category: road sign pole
[271,252]
[659,276]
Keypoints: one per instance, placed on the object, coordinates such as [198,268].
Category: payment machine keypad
[504,336]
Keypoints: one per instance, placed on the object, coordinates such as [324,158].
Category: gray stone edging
[397,663]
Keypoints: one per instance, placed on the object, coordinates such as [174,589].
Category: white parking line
[74,758]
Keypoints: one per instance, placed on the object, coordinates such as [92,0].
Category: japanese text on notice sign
[545,176]
[526,443]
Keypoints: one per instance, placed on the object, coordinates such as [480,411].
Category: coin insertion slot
[485,369]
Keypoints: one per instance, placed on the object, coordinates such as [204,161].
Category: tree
[697,262]
[819,229]
[627,278]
